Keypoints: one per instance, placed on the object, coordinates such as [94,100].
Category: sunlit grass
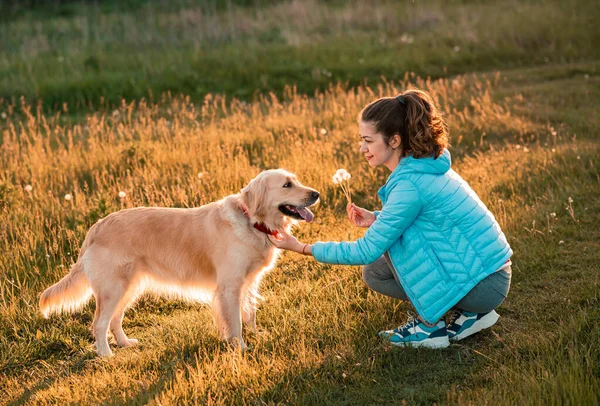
[318,322]
[95,56]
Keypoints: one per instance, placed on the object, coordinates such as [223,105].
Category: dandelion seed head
[407,38]
[68,197]
[570,200]
[343,174]
[122,195]
[28,188]
[552,215]
[323,131]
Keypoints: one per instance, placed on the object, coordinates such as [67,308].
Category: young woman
[434,242]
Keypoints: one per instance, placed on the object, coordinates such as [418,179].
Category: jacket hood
[437,165]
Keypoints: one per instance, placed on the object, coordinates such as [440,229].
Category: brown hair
[415,118]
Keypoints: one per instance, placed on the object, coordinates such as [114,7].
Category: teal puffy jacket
[442,240]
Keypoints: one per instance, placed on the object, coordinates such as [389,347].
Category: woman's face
[374,148]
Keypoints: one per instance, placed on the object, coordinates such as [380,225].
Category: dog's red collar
[261,226]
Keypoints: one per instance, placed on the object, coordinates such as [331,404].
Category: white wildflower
[553,149]
[28,188]
[122,195]
[570,200]
[525,149]
[561,242]
[517,146]
[4,115]
[202,174]
[578,157]
[68,197]
[407,38]
[554,133]
[552,215]
[338,178]
[323,131]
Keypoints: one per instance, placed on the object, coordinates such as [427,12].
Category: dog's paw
[237,343]
[130,342]
[105,353]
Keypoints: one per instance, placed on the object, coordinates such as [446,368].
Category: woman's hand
[360,217]
[286,241]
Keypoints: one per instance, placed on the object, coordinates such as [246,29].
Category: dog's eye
[288,184]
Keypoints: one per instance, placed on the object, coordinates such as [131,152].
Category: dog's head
[276,198]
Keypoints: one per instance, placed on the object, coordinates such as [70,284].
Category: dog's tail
[69,294]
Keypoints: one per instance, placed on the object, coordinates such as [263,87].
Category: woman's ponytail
[415,118]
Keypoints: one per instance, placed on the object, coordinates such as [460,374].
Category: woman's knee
[487,295]
[376,271]
[367,276]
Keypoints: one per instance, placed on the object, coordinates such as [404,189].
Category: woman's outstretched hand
[286,241]
[360,217]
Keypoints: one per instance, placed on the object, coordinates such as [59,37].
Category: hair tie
[401,100]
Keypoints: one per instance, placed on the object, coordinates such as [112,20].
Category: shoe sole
[434,343]
[486,321]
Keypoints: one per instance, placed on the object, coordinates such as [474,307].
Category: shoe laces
[412,321]
[455,315]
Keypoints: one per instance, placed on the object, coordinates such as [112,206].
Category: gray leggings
[484,297]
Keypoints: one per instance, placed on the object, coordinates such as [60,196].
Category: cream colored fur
[207,253]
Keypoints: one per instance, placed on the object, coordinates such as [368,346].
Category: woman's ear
[395,141]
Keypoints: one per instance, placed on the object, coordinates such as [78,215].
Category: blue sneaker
[463,324]
[416,334]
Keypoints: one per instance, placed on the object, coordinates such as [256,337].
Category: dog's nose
[314,195]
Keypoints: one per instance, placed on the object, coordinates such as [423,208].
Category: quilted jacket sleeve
[400,210]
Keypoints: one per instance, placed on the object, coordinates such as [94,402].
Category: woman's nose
[363,148]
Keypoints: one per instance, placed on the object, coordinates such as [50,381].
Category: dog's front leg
[249,314]
[226,308]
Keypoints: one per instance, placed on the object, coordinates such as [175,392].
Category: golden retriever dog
[218,251]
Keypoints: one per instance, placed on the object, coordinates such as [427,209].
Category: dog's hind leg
[108,297]
[116,323]
[106,302]
[226,308]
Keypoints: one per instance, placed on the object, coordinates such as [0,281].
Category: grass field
[525,136]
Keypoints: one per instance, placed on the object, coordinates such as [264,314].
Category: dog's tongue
[306,214]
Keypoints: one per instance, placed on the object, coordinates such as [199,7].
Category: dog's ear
[254,196]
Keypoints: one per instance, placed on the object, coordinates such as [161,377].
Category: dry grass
[318,322]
